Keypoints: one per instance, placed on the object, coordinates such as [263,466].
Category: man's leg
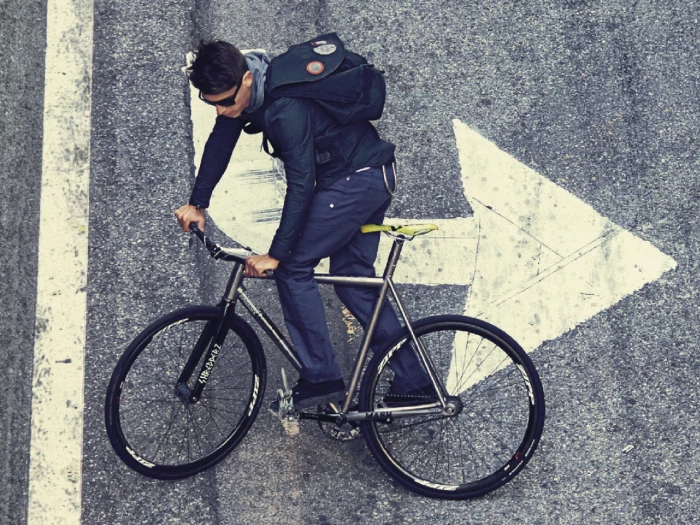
[357,257]
[334,217]
[305,318]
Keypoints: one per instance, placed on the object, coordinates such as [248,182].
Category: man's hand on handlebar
[187,214]
[257,265]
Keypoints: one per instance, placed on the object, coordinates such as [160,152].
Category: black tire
[493,435]
[152,429]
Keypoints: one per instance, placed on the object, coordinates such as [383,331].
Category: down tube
[271,330]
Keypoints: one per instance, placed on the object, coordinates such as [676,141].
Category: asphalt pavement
[22,26]
[599,97]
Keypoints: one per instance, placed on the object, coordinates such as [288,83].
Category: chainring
[349,431]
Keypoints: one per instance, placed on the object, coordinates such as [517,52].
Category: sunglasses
[226,102]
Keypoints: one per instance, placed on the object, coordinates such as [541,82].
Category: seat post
[393,260]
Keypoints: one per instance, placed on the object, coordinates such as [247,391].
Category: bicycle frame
[235,291]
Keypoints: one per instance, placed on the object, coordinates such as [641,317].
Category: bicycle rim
[160,433]
[496,429]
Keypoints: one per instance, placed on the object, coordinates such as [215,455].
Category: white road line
[57,403]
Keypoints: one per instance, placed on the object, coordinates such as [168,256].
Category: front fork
[210,341]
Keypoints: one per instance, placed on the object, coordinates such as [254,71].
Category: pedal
[286,403]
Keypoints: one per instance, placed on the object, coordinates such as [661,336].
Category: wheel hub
[453,406]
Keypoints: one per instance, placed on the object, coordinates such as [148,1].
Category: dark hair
[217,67]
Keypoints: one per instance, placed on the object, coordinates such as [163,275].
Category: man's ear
[248,78]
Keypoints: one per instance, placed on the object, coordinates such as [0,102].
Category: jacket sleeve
[215,159]
[290,129]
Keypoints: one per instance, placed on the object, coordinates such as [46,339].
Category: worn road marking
[545,261]
[57,402]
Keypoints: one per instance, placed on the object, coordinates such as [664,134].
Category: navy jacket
[316,151]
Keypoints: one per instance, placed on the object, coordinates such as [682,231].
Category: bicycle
[189,386]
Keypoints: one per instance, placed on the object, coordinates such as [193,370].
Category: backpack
[340,81]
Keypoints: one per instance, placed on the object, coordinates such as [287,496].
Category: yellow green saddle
[410,230]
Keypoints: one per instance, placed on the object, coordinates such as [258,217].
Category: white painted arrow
[538,261]
[546,261]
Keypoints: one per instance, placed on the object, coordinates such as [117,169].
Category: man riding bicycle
[339,177]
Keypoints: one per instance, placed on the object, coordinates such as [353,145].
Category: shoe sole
[319,400]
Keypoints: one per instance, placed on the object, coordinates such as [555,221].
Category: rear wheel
[153,425]
[498,421]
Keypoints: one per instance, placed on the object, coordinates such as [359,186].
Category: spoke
[423,449]
[206,405]
[203,433]
[165,382]
[477,457]
[508,450]
[409,443]
[461,455]
[510,371]
[194,431]
[209,413]
[466,367]
[233,373]
[448,454]
[493,388]
[437,454]
[174,411]
[499,404]
[187,440]
[180,346]
[179,450]
[493,436]
[462,383]
[471,423]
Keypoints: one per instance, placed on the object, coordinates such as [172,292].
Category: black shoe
[307,394]
[418,396]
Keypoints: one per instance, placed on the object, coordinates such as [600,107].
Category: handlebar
[218,252]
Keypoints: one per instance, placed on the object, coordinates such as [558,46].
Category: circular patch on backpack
[325,49]
[315,67]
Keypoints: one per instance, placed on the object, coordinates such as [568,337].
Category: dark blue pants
[332,229]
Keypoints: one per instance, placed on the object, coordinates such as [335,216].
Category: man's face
[242,98]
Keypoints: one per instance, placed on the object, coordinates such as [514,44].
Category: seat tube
[372,323]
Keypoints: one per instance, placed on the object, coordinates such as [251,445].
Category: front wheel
[153,425]
[498,421]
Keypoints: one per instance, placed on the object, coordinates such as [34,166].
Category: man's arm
[215,159]
[290,130]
